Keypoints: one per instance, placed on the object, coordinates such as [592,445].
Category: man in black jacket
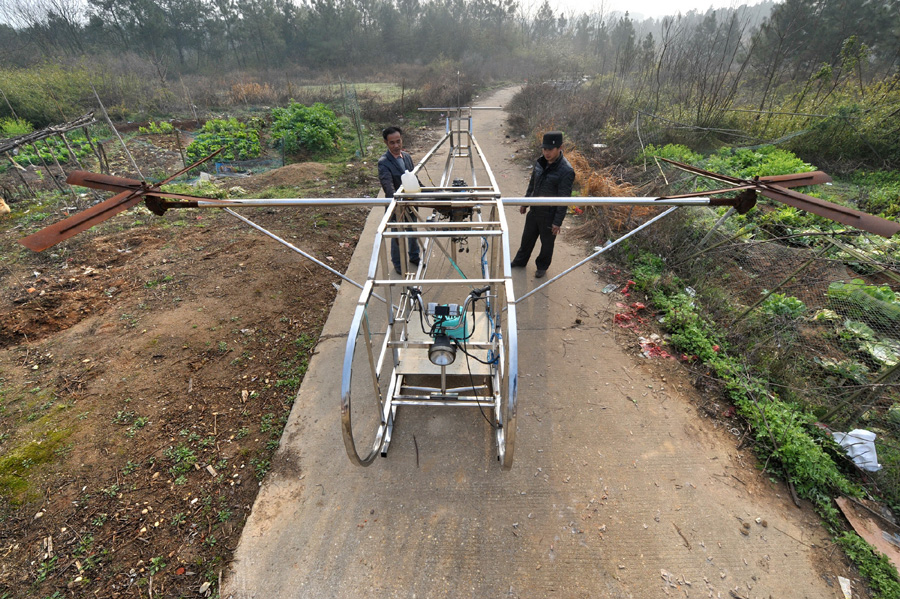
[391,167]
[552,176]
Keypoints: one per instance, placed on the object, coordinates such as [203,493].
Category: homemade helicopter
[447,334]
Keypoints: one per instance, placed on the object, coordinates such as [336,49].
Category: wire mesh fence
[813,310]
[816,314]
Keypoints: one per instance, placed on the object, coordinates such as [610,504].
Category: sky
[636,8]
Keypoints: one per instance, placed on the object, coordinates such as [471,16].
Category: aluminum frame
[392,366]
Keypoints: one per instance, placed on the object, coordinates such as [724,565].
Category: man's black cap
[552,139]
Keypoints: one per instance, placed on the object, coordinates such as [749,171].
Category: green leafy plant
[260,467]
[182,458]
[779,304]
[240,141]
[759,162]
[51,149]
[156,565]
[315,128]
[154,128]
[676,152]
[875,566]
[10,127]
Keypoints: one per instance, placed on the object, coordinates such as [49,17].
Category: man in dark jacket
[391,167]
[552,176]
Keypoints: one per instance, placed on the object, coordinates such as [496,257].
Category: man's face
[550,154]
[394,143]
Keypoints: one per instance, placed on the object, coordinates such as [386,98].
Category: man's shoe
[515,264]
[414,261]
[397,270]
[539,274]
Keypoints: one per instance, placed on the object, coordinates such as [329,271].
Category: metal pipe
[455,199]
[452,234]
[600,251]
[435,282]
[275,202]
[430,153]
[606,201]
[296,249]
[412,400]
[489,225]
[460,108]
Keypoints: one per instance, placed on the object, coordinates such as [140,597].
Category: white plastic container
[410,183]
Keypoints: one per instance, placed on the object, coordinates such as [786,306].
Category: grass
[389,92]
[18,463]
[293,369]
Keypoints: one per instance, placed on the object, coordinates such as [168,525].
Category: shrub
[759,162]
[314,128]
[11,127]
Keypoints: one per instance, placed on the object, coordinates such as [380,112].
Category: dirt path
[619,487]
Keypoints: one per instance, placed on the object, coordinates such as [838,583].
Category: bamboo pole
[78,164]
[47,168]
[113,127]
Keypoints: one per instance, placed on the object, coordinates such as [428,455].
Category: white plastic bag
[860,446]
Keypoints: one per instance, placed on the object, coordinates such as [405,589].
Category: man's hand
[554,229]
[523,209]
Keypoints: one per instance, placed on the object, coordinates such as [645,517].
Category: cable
[475,392]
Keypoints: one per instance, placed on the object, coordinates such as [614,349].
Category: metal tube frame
[492,388]
[498,389]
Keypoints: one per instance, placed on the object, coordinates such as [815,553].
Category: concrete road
[619,487]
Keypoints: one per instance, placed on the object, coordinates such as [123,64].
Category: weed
[139,423]
[130,320]
[224,515]
[99,520]
[882,576]
[294,369]
[260,467]
[123,417]
[46,568]
[182,458]
[130,467]
[267,423]
[84,545]
[178,519]
[242,432]
[156,565]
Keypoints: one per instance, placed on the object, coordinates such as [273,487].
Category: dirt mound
[292,175]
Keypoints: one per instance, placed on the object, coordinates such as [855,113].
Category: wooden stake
[17,168]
